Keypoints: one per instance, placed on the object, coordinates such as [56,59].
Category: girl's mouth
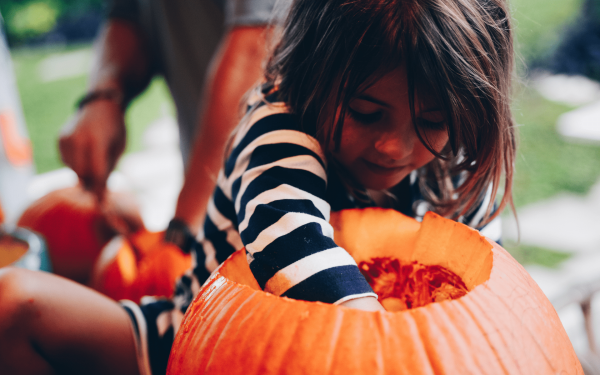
[382,170]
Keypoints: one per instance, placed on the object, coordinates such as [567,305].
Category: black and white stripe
[274,198]
[275,183]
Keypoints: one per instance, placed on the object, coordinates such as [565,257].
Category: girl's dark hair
[460,51]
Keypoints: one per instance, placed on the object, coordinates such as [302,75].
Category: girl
[394,103]
[367,103]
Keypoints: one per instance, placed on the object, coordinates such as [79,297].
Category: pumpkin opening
[380,233]
[438,259]
[405,286]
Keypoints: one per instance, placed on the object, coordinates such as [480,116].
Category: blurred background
[556,105]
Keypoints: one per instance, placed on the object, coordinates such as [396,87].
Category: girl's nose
[396,145]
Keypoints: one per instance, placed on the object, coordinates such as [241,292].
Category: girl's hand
[364,303]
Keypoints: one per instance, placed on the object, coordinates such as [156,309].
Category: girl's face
[379,145]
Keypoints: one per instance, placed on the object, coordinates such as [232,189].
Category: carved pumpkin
[76,229]
[139,265]
[504,323]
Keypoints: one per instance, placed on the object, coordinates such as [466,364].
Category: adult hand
[92,141]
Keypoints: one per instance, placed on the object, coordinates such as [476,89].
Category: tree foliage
[25,20]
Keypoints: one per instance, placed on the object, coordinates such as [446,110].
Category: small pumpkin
[138,265]
[504,324]
[76,228]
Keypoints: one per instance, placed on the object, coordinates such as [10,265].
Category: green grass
[145,109]
[546,163]
[538,24]
[47,106]
[526,255]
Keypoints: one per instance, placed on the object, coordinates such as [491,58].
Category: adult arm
[94,138]
[235,68]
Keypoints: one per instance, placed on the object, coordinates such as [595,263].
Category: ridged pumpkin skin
[503,325]
[139,265]
[75,229]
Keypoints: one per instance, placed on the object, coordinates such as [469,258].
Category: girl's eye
[365,118]
[431,125]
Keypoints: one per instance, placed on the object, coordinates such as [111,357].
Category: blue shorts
[155,322]
[152,348]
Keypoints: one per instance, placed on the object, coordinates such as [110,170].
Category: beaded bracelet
[105,94]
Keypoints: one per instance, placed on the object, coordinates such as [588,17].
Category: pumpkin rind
[116,269]
[504,324]
[75,229]
[158,271]
[139,265]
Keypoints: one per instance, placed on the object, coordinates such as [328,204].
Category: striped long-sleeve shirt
[274,197]
[271,198]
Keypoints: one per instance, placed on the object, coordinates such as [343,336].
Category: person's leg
[50,325]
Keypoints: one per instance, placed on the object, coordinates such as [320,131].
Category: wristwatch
[179,234]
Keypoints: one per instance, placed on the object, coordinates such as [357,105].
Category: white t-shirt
[183,36]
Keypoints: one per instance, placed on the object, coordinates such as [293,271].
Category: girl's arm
[276,179]
[364,303]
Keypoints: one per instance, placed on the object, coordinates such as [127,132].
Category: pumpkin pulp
[405,286]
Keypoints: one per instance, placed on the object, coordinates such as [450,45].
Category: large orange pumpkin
[76,229]
[503,325]
[139,265]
